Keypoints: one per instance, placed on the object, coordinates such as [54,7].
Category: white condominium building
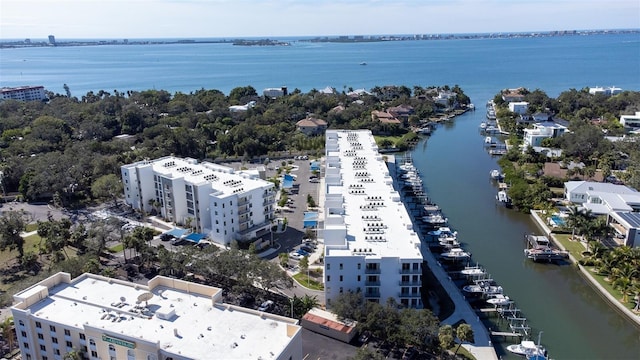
[23,93]
[212,199]
[167,319]
[370,244]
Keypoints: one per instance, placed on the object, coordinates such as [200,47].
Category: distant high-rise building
[52,40]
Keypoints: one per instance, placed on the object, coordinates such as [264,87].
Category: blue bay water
[577,322]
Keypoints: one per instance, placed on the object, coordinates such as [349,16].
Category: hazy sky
[115,19]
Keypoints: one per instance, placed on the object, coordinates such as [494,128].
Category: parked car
[302,252]
[166,237]
[266,306]
[178,241]
[308,249]
[295,256]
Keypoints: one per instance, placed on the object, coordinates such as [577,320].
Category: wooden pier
[505,334]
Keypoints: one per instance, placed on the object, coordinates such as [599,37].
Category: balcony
[410,271]
[372,283]
[372,271]
[409,295]
[410,283]
[371,294]
[243,202]
[244,209]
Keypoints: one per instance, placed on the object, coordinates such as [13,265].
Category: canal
[577,323]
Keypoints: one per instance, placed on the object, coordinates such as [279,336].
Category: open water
[576,322]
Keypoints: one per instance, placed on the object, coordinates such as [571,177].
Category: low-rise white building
[275,92]
[534,136]
[167,319]
[23,93]
[611,90]
[631,121]
[602,198]
[370,244]
[627,227]
[519,107]
[210,198]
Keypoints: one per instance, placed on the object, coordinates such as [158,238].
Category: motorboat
[488,140]
[483,287]
[483,125]
[440,231]
[499,300]
[456,254]
[527,348]
[435,219]
[503,198]
[448,242]
[473,271]
[495,174]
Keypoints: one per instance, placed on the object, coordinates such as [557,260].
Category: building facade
[209,198]
[167,319]
[534,136]
[370,244]
[23,93]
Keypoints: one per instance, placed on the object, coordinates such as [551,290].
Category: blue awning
[195,237]
[177,232]
[315,165]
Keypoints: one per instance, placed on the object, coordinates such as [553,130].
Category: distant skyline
[119,19]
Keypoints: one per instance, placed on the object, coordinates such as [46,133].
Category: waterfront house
[312,126]
[513,95]
[401,112]
[445,98]
[519,107]
[626,225]
[534,136]
[275,92]
[602,198]
[384,117]
[23,93]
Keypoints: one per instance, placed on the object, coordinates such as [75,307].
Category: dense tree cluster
[62,149]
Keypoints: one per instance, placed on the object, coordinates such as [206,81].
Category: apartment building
[167,319]
[370,243]
[212,199]
[23,93]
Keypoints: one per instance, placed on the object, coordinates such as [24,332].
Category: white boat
[483,287]
[473,271]
[456,254]
[529,349]
[483,125]
[499,300]
[503,198]
[448,242]
[488,140]
[435,219]
[495,174]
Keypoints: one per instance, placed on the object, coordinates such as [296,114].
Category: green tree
[445,337]
[12,223]
[464,333]
[8,332]
[107,187]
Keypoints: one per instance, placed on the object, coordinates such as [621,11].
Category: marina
[475,284]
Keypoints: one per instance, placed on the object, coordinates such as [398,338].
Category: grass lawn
[31,227]
[116,249]
[574,247]
[308,282]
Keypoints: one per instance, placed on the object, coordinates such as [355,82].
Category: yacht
[529,349]
[456,254]
[435,219]
[503,198]
[473,271]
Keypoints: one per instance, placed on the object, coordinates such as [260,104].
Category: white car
[295,256]
[266,305]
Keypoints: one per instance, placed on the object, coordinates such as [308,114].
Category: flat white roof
[222,178]
[377,222]
[203,328]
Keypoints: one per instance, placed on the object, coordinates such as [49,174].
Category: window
[84,349]
[341,266]
[38,325]
[23,333]
[112,348]
[40,336]
[341,289]
[92,342]
[54,340]
[56,351]
[28,356]
[359,266]
[21,322]
[340,277]
[45,358]
[328,278]
[358,277]
[69,344]
[94,353]
[43,348]
[82,337]
[328,267]
[25,345]
[52,328]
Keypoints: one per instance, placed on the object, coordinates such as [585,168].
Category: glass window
[341,266]
[54,340]
[67,332]
[69,344]
[43,348]
[52,328]
[23,333]
[38,325]
[82,337]
[340,277]
[40,336]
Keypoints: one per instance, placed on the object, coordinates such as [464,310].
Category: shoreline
[585,273]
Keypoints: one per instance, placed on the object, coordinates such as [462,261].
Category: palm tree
[464,332]
[8,331]
[623,284]
[309,302]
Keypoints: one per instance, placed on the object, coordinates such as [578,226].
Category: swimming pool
[556,220]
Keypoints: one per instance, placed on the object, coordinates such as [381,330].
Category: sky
[131,19]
